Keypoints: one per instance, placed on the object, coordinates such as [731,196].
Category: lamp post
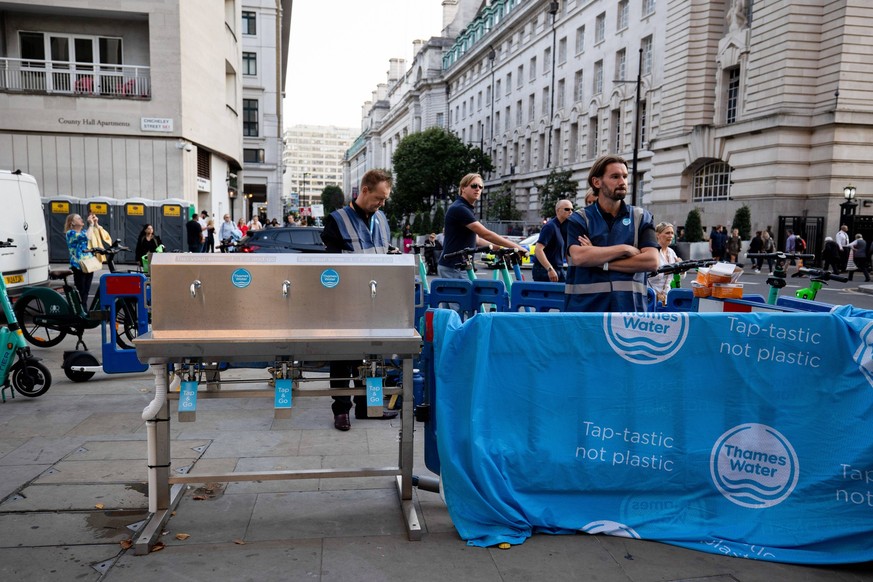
[848,208]
[636,154]
[553,10]
[491,56]
[303,192]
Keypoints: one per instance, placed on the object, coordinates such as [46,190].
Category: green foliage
[501,205]
[693,227]
[558,185]
[439,220]
[425,223]
[332,198]
[428,166]
[416,223]
[743,222]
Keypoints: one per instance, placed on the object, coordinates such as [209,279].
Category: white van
[22,220]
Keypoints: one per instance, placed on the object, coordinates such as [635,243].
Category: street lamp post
[553,10]
[849,207]
[303,192]
[636,154]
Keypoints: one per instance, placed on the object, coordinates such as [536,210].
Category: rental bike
[46,316]
[818,278]
[777,281]
[22,372]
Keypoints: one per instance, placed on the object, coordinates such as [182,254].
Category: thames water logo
[754,465]
[330,278]
[863,356]
[610,528]
[646,338]
[241,278]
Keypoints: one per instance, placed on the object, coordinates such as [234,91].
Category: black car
[284,239]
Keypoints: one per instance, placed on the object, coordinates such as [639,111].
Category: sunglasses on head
[476,186]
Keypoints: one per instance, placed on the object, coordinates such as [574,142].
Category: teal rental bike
[21,371]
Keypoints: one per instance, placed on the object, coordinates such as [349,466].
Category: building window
[532,73]
[578,87]
[440,120]
[598,78]
[546,101]
[249,22]
[562,51]
[642,120]
[496,123]
[559,97]
[580,39]
[478,102]
[464,110]
[249,63]
[712,182]
[621,65]
[647,55]
[621,20]
[600,28]
[733,94]
[547,60]
[508,83]
[520,76]
[648,7]
[204,168]
[593,136]
[497,89]
[531,107]
[253,156]
[518,113]
[507,119]
[250,117]
[615,120]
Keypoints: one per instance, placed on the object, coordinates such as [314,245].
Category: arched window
[712,182]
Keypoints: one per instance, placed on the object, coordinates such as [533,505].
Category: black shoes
[341,422]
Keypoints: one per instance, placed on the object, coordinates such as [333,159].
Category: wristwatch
[606,266]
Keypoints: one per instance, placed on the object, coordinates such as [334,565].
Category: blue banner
[743,434]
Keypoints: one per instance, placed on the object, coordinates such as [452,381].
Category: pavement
[73,493]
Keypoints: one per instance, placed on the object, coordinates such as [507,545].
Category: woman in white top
[661,283]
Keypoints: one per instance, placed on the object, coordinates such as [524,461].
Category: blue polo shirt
[456,234]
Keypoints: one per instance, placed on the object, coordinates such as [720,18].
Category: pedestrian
[255,223]
[242,226]
[463,230]
[756,246]
[407,238]
[360,227]
[858,254]
[734,245]
[77,246]
[789,242]
[204,227]
[660,283]
[209,247]
[842,239]
[717,241]
[550,252]
[831,255]
[194,235]
[612,246]
[146,244]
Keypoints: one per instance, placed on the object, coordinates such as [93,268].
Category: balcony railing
[65,78]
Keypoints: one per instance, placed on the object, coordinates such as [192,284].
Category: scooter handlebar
[820,274]
[682,266]
[466,252]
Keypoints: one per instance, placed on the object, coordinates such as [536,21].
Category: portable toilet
[106,210]
[170,218]
[56,211]
[135,214]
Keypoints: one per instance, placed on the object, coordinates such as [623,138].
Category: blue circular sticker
[626,221]
[330,278]
[241,278]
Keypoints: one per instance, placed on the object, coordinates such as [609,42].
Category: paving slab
[78,497]
[103,423]
[254,444]
[330,441]
[115,471]
[85,563]
[356,462]
[43,529]
[40,450]
[13,477]
[275,485]
[209,516]
[135,449]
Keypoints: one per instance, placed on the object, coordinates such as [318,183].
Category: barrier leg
[404,480]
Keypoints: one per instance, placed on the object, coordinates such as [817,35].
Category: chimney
[416,47]
[396,69]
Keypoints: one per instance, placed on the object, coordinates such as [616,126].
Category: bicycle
[777,281]
[818,278]
[677,269]
[21,370]
[46,316]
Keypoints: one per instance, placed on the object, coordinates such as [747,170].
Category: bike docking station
[208,310]
[119,357]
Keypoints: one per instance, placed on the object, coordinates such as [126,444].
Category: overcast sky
[340,49]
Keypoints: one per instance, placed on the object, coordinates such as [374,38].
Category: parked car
[284,239]
[22,220]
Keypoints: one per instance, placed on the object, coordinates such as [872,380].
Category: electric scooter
[21,370]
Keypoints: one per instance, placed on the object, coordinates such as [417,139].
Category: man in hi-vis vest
[359,227]
[612,246]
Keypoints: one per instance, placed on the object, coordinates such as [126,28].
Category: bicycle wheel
[125,322]
[39,335]
[30,378]
[79,359]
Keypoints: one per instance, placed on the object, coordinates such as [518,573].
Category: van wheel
[26,309]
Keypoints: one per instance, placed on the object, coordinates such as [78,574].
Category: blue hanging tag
[283,393]
[374,397]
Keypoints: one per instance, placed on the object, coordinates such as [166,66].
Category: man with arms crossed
[612,246]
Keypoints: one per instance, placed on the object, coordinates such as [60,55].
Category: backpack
[799,245]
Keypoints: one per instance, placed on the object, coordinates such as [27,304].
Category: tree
[425,223]
[743,222]
[332,198]
[557,187]
[428,166]
[501,205]
[693,227]
[416,223]
[439,220]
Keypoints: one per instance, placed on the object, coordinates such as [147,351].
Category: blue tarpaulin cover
[743,434]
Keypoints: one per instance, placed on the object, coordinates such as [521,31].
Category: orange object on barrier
[728,290]
[700,289]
